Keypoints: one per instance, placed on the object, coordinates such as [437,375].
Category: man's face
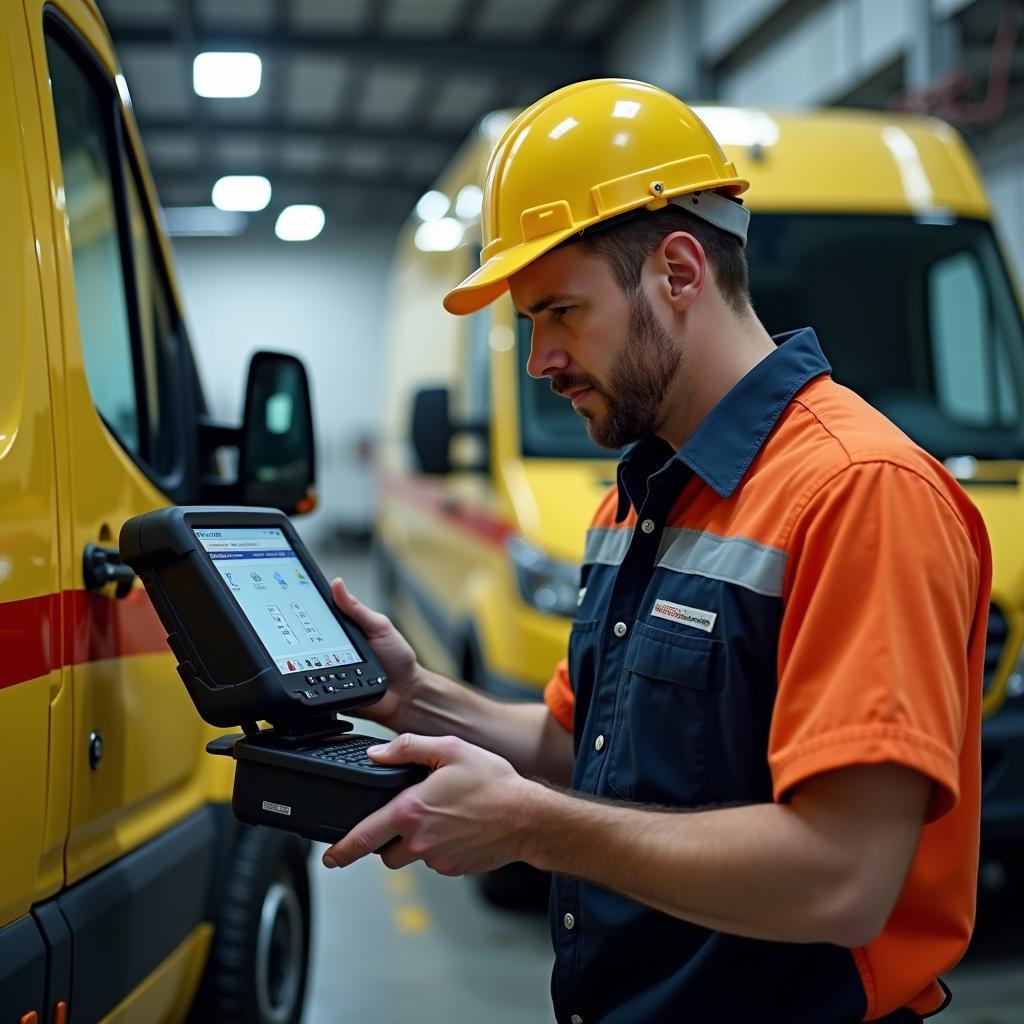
[602,349]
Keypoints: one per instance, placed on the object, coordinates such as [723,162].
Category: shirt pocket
[659,748]
[582,657]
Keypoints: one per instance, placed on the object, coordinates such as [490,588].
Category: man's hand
[396,655]
[468,816]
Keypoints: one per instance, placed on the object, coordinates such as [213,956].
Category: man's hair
[627,246]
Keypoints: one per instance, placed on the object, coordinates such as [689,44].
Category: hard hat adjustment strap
[727,214]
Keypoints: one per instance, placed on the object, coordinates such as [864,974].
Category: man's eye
[559,311]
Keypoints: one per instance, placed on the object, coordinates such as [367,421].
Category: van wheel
[256,971]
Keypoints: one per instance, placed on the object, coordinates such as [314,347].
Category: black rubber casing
[233,680]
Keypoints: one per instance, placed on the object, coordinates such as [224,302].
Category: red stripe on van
[95,627]
[436,499]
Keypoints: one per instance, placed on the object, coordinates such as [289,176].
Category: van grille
[998,630]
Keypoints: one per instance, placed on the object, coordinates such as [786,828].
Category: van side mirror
[431,430]
[275,444]
[276,459]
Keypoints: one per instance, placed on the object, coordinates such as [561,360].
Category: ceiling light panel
[299,223]
[517,20]
[390,94]
[245,192]
[313,87]
[235,15]
[154,75]
[220,75]
[422,17]
[334,15]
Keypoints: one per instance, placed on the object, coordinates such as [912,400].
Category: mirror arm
[214,435]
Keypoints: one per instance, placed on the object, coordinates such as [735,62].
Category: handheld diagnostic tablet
[257,636]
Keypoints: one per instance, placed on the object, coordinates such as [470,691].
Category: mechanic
[769,713]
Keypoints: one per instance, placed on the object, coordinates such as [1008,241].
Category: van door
[137,741]
[34,706]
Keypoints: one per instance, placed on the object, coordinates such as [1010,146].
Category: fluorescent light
[432,206]
[226,75]
[203,221]
[299,223]
[245,192]
[440,235]
[469,202]
[739,126]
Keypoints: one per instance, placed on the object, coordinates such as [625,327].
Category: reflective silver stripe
[731,559]
[606,546]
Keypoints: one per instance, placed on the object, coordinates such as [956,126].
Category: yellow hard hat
[584,154]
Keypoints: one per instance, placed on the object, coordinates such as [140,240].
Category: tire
[259,957]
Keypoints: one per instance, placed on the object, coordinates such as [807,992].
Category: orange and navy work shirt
[798,589]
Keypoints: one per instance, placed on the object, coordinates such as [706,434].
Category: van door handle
[101,566]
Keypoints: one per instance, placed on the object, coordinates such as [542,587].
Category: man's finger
[433,751]
[367,837]
[373,623]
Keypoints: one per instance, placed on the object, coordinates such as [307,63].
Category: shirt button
[619,629]
[569,921]
[647,526]
[599,744]
[575,1019]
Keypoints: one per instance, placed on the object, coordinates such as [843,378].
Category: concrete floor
[391,947]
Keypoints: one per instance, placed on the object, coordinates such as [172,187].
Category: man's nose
[546,359]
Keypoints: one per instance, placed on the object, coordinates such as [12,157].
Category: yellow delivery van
[127,890]
[872,228]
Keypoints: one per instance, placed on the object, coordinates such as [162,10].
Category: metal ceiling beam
[562,62]
[281,126]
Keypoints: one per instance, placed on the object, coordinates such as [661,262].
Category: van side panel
[123,682]
[34,803]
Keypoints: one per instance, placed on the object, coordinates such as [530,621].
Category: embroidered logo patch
[688,616]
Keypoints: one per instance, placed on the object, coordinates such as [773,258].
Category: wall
[321,300]
[798,53]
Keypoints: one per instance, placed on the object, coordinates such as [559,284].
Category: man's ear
[678,270]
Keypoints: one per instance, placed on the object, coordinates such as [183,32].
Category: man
[769,713]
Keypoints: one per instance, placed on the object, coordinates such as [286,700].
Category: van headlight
[547,584]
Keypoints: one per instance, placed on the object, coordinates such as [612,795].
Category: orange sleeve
[881,593]
[559,697]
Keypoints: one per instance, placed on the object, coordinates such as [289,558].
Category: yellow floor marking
[411,919]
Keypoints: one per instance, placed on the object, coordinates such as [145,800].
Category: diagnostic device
[258,637]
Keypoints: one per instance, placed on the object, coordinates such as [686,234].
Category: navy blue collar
[726,441]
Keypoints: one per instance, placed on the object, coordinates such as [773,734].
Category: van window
[157,337]
[131,342]
[83,118]
[973,380]
[915,314]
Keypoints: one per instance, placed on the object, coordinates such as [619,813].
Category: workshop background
[361,104]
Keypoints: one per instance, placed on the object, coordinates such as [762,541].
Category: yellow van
[872,228]
[127,890]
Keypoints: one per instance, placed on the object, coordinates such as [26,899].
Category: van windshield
[915,314]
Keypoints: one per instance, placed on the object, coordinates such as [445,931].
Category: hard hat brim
[483,286]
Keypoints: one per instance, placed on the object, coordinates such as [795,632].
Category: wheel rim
[279,959]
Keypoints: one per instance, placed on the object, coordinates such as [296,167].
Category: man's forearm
[523,732]
[768,871]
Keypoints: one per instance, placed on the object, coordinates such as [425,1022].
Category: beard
[636,388]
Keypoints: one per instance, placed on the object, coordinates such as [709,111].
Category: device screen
[268,581]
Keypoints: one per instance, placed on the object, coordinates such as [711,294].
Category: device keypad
[350,752]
